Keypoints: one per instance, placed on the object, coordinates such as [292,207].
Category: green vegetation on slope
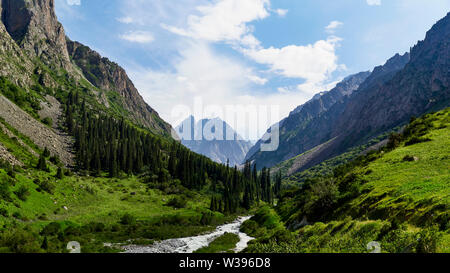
[36,206]
[398,196]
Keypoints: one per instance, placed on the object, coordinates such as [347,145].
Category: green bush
[127,219]
[321,198]
[20,241]
[416,140]
[5,192]
[177,202]
[45,185]
[4,212]
[47,121]
[51,229]
[428,239]
[22,193]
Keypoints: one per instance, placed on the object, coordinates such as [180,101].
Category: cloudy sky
[245,52]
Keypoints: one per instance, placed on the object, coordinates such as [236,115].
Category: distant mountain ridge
[215,139]
[299,119]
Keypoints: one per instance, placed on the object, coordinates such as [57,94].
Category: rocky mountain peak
[201,137]
[34,26]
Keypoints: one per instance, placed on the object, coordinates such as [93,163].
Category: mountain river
[191,244]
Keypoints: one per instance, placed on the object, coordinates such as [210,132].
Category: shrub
[51,229]
[4,212]
[5,193]
[177,202]
[17,215]
[416,140]
[321,198]
[127,219]
[55,160]
[428,239]
[42,164]
[45,186]
[47,121]
[11,173]
[20,241]
[394,141]
[22,193]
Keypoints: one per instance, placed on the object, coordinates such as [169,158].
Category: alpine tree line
[104,144]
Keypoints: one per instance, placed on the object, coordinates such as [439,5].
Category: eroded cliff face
[14,64]
[109,76]
[35,28]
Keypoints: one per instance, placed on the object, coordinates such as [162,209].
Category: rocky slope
[217,146]
[40,134]
[109,76]
[295,131]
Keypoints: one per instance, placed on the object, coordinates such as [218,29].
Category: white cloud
[225,20]
[138,37]
[281,12]
[74,2]
[126,20]
[331,28]
[256,79]
[314,63]
[373,2]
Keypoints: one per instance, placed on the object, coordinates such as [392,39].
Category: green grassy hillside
[398,196]
[93,211]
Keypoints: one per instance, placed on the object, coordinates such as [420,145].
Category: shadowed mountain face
[295,135]
[405,86]
[215,139]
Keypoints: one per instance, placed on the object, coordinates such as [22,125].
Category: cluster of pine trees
[104,144]
[244,189]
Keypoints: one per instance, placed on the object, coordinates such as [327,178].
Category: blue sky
[246,52]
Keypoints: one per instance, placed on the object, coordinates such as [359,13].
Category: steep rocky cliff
[109,76]
[35,28]
[14,64]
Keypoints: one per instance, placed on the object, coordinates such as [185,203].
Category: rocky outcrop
[109,76]
[35,28]
[8,157]
[217,146]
